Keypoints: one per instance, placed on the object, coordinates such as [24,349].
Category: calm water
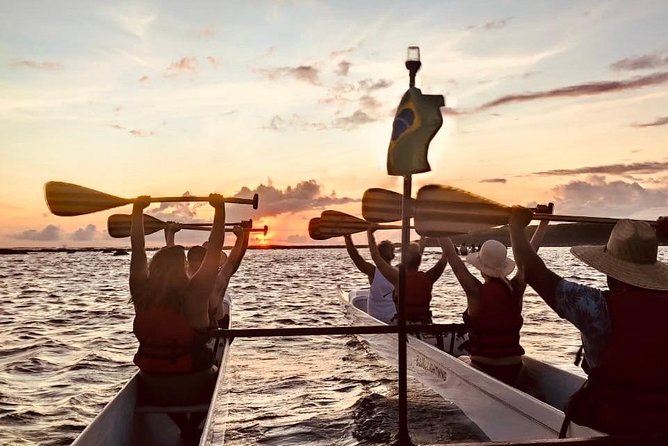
[67,347]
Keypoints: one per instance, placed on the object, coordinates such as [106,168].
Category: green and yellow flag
[417,120]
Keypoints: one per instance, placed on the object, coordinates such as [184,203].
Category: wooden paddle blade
[339,223]
[67,199]
[382,205]
[119,225]
[441,211]
[314,230]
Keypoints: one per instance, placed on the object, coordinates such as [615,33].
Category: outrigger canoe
[122,422]
[502,412]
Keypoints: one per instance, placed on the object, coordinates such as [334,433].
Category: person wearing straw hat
[493,315]
[623,328]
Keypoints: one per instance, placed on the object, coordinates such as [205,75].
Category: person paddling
[380,303]
[172,319]
[493,315]
[419,284]
[622,328]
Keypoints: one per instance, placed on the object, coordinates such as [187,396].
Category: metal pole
[404,438]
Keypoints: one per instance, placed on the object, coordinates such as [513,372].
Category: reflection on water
[67,349]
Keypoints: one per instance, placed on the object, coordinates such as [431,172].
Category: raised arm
[206,274]
[231,265]
[387,270]
[534,271]
[437,270]
[138,262]
[361,264]
[170,230]
[470,284]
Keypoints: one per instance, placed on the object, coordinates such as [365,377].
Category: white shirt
[380,304]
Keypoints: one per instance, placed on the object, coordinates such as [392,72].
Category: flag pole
[413,64]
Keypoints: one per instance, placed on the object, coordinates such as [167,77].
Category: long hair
[167,279]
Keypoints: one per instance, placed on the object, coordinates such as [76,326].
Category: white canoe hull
[118,424]
[502,412]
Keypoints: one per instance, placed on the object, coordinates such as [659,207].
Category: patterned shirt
[586,308]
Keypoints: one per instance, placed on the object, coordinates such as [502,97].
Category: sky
[294,100]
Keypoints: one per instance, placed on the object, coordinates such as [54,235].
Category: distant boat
[120,252]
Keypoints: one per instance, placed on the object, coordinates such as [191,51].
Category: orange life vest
[418,297]
[628,391]
[494,331]
[167,342]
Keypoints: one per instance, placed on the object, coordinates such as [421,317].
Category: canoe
[502,412]
[122,422]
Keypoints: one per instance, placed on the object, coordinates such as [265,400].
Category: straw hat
[629,256]
[492,260]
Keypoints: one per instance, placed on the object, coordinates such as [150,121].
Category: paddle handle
[262,230]
[583,219]
[252,201]
[393,227]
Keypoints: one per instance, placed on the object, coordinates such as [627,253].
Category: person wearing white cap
[623,328]
[493,315]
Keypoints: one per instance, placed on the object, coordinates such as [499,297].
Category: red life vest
[494,331]
[167,342]
[418,297]
[628,391]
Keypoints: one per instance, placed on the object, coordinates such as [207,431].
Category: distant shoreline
[563,235]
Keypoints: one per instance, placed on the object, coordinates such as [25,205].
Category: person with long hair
[172,317]
[493,316]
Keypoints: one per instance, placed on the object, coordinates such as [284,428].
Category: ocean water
[67,345]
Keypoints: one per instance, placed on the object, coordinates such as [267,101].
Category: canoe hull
[502,412]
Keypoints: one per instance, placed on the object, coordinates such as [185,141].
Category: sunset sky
[545,101]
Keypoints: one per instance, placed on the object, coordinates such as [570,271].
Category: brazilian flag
[417,120]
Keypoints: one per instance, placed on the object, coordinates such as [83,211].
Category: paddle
[314,230]
[382,206]
[118,225]
[337,224]
[66,199]
[440,210]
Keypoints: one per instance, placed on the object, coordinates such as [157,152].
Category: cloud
[185,66]
[305,195]
[304,73]
[656,123]
[213,61]
[134,132]
[588,89]
[35,65]
[281,124]
[84,234]
[343,68]
[349,122]
[344,52]
[492,25]
[494,180]
[296,239]
[49,234]
[369,85]
[647,167]
[141,133]
[144,78]
[208,32]
[647,61]
[597,197]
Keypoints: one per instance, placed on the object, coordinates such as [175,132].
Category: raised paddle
[118,225]
[340,223]
[314,230]
[440,210]
[67,199]
[382,205]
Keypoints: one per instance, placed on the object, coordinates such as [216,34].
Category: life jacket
[167,342]
[494,331]
[418,297]
[627,392]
